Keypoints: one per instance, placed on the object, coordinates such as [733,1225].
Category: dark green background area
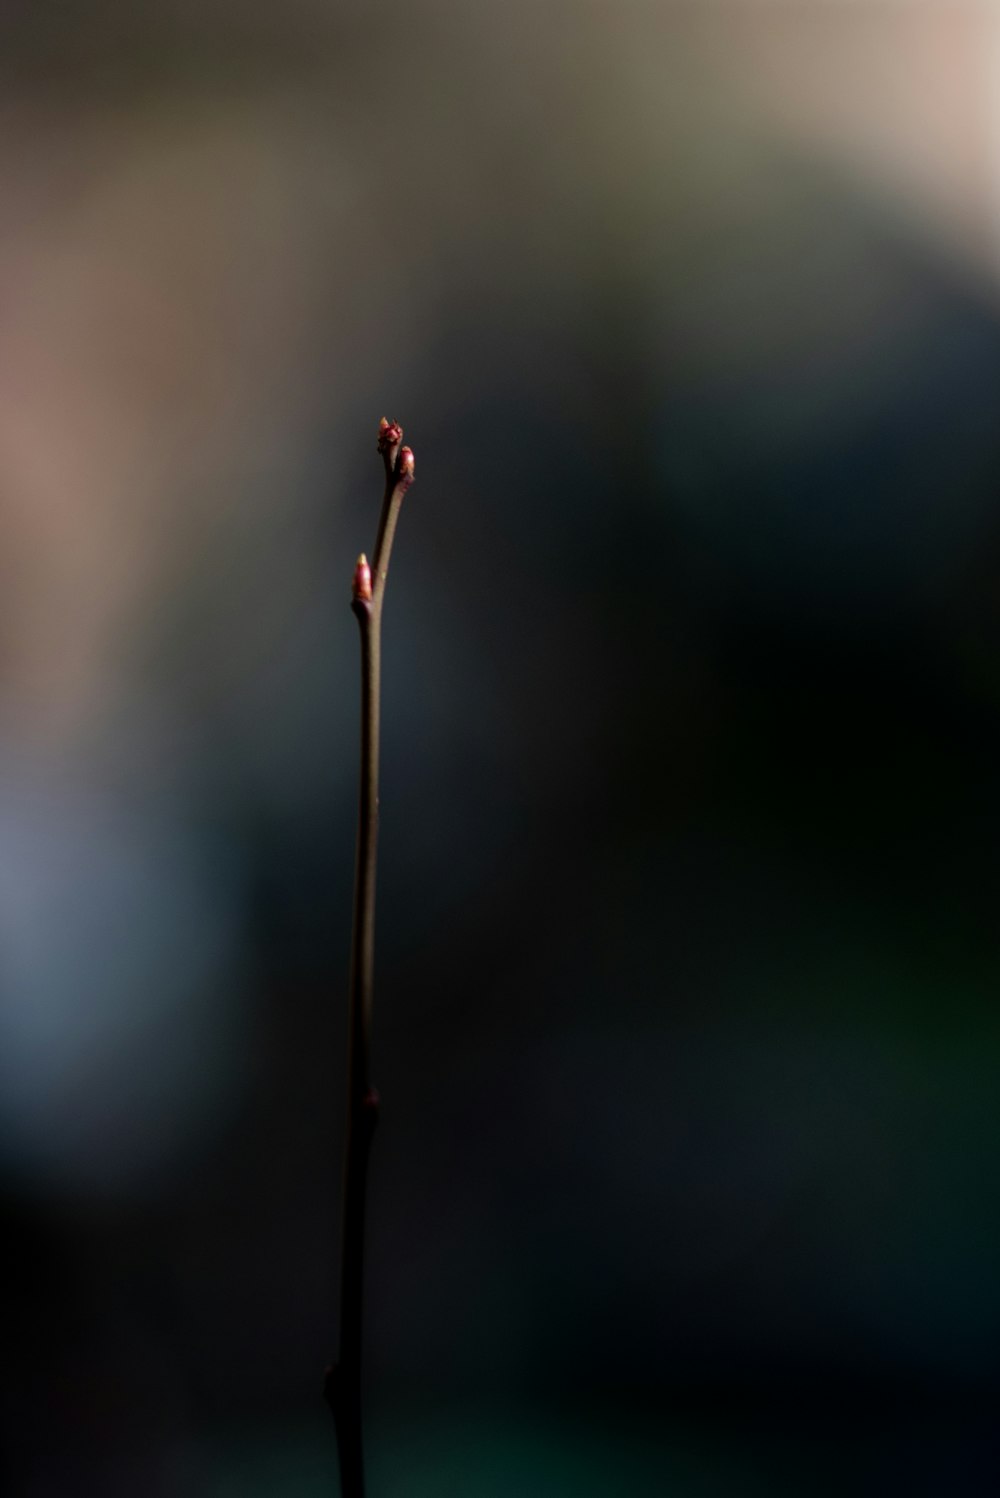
[686,1025]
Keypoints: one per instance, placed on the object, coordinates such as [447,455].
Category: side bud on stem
[361,588]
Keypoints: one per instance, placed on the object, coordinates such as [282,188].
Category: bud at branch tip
[389,433]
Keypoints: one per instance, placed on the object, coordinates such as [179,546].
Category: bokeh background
[687,1028]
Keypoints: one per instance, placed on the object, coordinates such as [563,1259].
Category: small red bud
[389,433]
[361,588]
[406,466]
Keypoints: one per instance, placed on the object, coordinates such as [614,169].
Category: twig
[343,1380]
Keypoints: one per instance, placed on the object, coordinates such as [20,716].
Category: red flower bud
[389,433]
[406,466]
[361,588]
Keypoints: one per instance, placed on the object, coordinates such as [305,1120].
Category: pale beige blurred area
[904,95]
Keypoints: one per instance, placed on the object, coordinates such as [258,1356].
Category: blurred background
[686,1021]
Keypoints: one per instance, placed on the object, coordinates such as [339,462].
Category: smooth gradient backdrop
[686,1027]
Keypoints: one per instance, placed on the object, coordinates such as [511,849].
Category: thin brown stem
[343,1385]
